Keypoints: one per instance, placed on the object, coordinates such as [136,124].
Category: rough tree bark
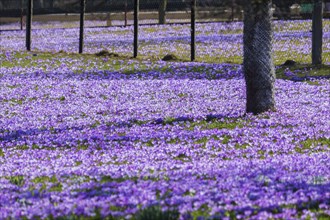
[258,66]
[162,11]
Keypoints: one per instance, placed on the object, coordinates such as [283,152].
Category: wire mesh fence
[164,28]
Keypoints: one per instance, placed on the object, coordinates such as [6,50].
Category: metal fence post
[82,19]
[136,27]
[232,10]
[22,14]
[125,13]
[29,24]
[162,12]
[317,33]
[193,30]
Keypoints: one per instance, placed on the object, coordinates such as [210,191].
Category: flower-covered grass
[83,136]
[215,42]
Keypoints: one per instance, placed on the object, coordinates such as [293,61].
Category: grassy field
[215,42]
[46,61]
[111,137]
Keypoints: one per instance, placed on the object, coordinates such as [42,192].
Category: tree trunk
[162,11]
[258,66]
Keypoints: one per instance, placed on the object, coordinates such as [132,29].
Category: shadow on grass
[37,133]
[302,72]
[107,186]
[156,212]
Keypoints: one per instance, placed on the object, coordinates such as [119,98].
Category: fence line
[316,28]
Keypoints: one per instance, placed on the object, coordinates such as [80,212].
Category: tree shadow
[176,70]
[107,186]
[20,135]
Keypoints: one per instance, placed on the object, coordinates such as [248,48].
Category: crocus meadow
[101,137]
[214,41]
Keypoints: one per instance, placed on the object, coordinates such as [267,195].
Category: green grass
[303,70]
[16,180]
[309,144]
[44,179]
[183,158]
[213,123]
[127,65]
[55,60]
[106,179]
[212,59]
[156,213]
[281,56]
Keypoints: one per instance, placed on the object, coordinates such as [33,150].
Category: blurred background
[165,27]
[112,12]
